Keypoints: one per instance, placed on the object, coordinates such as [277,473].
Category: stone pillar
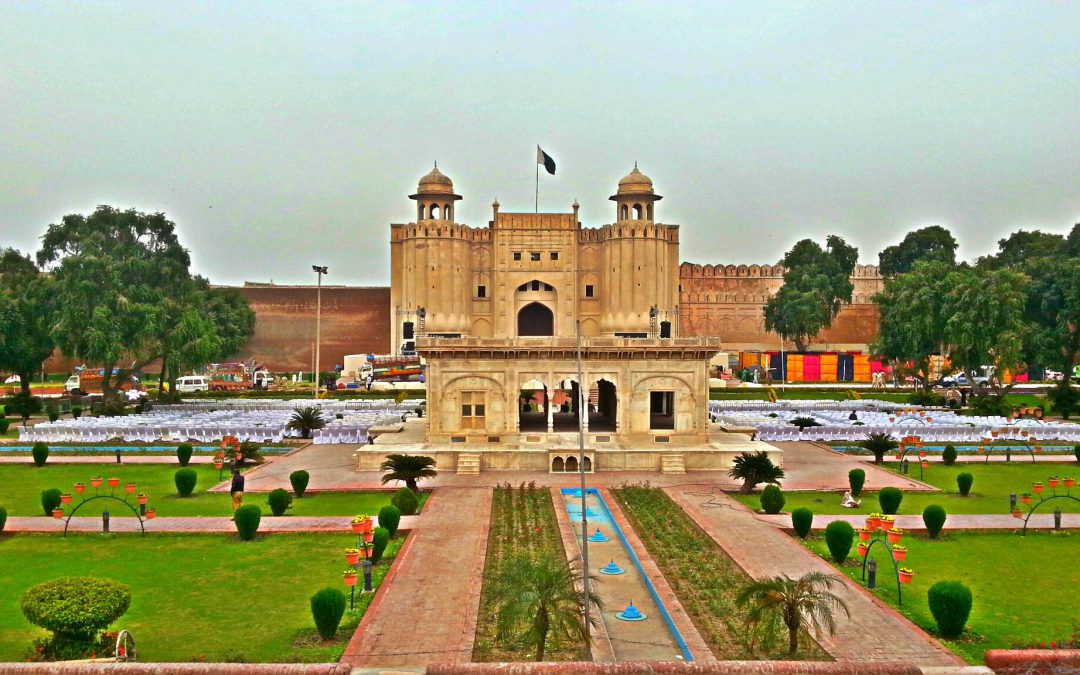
[548,407]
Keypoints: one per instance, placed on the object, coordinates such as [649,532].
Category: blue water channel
[605,521]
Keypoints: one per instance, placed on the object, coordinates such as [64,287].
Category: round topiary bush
[185,480]
[76,608]
[406,501]
[299,481]
[950,603]
[378,543]
[40,451]
[390,518]
[772,499]
[279,501]
[948,455]
[6,423]
[802,519]
[3,518]
[933,517]
[889,498]
[838,537]
[247,520]
[327,608]
[183,453]
[856,478]
[76,412]
[964,482]
[1076,452]
[50,499]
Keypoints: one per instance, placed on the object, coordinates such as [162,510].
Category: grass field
[1023,587]
[21,486]
[989,493]
[194,597]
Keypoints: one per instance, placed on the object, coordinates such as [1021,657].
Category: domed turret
[635,196]
[435,196]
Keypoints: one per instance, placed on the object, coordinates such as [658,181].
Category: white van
[190,383]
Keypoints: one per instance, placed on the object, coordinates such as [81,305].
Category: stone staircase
[468,463]
[672,463]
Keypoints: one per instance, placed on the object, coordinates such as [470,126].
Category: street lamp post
[319,271]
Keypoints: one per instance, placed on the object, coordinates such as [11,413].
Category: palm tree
[754,468]
[538,596]
[879,444]
[802,603]
[305,420]
[408,468]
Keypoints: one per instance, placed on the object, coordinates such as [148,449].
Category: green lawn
[194,597]
[762,394]
[21,486]
[989,493]
[1023,587]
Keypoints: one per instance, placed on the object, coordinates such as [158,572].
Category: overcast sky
[277,135]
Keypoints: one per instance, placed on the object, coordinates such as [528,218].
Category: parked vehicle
[380,368]
[85,382]
[192,383]
[241,376]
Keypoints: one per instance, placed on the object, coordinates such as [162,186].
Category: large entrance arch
[535,320]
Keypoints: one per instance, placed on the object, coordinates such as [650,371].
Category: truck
[86,381]
[385,368]
[237,376]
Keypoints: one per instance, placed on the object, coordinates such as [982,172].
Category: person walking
[237,490]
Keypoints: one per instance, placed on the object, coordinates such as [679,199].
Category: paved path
[958,521]
[429,611]
[810,466]
[203,524]
[875,632]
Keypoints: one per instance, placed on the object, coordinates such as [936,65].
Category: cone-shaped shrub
[390,518]
[406,501]
[3,518]
[802,519]
[185,480]
[772,499]
[279,501]
[40,451]
[327,608]
[948,455]
[856,478]
[933,517]
[378,543]
[838,537]
[183,453]
[50,499]
[950,603]
[247,521]
[889,498]
[964,482]
[299,481]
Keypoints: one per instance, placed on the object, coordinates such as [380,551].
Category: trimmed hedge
[964,482]
[838,537]
[390,518]
[406,501]
[948,455]
[950,603]
[3,518]
[50,499]
[185,480]
[299,481]
[856,478]
[772,499]
[5,423]
[933,517]
[279,501]
[40,451]
[76,608]
[327,608]
[183,453]
[802,519]
[378,543]
[889,498]
[247,520]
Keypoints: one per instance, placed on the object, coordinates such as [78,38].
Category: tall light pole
[583,409]
[319,271]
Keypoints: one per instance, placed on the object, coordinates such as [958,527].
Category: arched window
[446,211]
[433,212]
[637,211]
[622,212]
[421,215]
[648,210]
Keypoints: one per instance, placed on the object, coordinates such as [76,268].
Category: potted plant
[361,524]
[898,456]
[352,556]
[114,481]
[1017,513]
[862,549]
[80,488]
[65,499]
[218,463]
[864,534]
[1025,498]
[922,454]
[925,464]
[873,521]
[899,552]
[96,481]
[143,497]
[1037,488]
[1052,481]
[369,536]
[1069,482]
[886,522]
[150,514]
[58,514]
[129,488]
[906,574]
[894,535]
[350,577]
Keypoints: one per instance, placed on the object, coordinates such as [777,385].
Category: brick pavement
[958,521]
[429,612]
[874,633]
[195,525]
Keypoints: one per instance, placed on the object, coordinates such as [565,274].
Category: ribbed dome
[435,182]
[635,182]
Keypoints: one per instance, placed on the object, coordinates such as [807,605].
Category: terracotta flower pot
[65,499]
[1037,488]
[357,528]
[150,514]
[95,482]
[1069,482]
[1052,482]
[80,488]
[144,499]
[864,534]
[898,456]
[894,537]
[58,514]
[922,454]
[365,552]
[926,465]
[369,536]
[905,577]
[239,456]
[218,464]
[352,558]
[113,482]
[899,555]
[862,549]
[1026,499]
[129,487]
[873,523]
[350,579]
[1017,513]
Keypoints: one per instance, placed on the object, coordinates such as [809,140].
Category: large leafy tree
[933,243]
[1053,313]
[817,283]
[1022,246]
[26,312]
[119,275]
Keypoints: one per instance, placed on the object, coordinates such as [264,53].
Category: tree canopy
[912,314]
[26,312]
[933,243]
[817,283]
[1022,246]
[1053,313]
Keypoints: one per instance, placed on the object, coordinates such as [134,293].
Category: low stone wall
[677,668]
[113,668]
[1034,661]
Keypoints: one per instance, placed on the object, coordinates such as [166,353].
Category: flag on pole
[545,159]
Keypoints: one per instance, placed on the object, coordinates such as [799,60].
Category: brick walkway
[875,632]
[429,612]
[200,525]
[959,521]
[810,466]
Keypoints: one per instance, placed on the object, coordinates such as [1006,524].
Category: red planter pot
[352,558]
[898,456]
[864,534]
[922,454]
[357,528]
[113,482]
[1037,488]
[58,514]
[894,537]
[926,465]
[218,465]
[1025,500]
[1052,482]
[80,488]
[129,488]
[1069,482]
[899,555]
[143,500]
[862,549]
[873,523]
[65,499]
[369,536]
[95,482]
[150,514]
[350,579]
[1017,514]
[905,577]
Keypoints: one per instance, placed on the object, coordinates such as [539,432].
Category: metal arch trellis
[1032,508]
[896,566]
[86,500]
[987,444]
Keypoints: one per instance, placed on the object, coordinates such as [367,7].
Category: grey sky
[277,135]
